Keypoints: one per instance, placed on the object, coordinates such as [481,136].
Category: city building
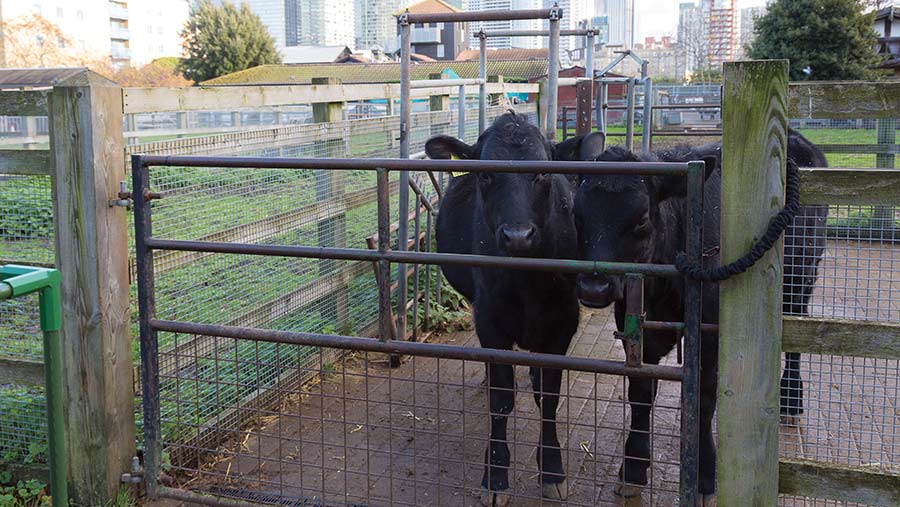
[664,57]
[127,31]
[376,26]
[620,16]
[507,42]
[307,22]
[440,41]
[721,31]
[747,23]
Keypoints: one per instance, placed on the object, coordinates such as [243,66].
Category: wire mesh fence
[350,430]
[23,424]
[322,208]
[850,407]
[26,237]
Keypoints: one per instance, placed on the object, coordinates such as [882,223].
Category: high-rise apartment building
[375,24]
[127,31]
[722,21]
[747,23]
[506,42]
[621,20]
[307,22]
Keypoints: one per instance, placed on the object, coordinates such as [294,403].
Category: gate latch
[125,197]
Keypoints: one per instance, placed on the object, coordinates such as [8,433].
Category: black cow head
[515,208]
[618,220]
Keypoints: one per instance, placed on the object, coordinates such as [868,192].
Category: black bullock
[642,219]
[514,215]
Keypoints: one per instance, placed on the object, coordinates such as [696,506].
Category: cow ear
[664,187]
[580,148]
[446,147]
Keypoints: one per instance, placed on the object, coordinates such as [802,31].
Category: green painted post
[18,281]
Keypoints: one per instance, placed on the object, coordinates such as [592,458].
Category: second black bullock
[642,219]
[514,215]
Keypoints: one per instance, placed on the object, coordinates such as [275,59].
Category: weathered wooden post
[438,103]
[754,122]
[543,100]
[88,156]
[332,230]
[883,216]
[495,99]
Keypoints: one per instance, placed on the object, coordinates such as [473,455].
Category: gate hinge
[136,475]
[124,197]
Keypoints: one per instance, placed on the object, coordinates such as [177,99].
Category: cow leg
[791,386]
[709,382]
[641,393]
[496,456]
[546,383]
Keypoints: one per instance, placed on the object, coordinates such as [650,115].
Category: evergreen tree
[222,40]
[823,39]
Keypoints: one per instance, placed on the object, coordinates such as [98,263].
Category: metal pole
[140,177]
[601,108]
[690,385]
[589,56]
[384,265]
[482,73]
[461,116]
[629,115]
[403,218]
[647,123]
[553,72]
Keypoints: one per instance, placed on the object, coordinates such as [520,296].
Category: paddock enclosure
[271,384]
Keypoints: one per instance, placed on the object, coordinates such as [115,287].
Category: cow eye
[485,177]
[541,177]
[643,227]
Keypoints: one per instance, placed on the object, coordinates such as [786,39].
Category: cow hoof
[556,491]
[708,500]
[628,490]
[790,421]
[494,499]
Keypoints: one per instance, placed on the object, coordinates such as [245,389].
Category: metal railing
[17,281]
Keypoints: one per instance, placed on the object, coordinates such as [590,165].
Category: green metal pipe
[19,281]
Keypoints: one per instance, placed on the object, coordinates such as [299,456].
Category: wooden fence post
[883,216]
[330,187]
[438,103]
[495,99]
[543,103]
[754,122]
[88,156]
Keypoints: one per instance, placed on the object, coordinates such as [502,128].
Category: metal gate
[150,325]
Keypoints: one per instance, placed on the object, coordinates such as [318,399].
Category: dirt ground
[369,435]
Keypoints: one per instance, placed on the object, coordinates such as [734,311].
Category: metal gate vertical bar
[690,384]
[461,115]
[553,72]
[629,114]
[403,208]
[148,337]
[383,197]
[647,121]
[482,73]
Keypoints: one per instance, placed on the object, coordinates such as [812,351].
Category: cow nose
[594,292]
[517,238]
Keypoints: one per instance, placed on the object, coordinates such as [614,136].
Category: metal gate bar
[688,374]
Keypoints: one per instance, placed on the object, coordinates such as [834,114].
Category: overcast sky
[660,17]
